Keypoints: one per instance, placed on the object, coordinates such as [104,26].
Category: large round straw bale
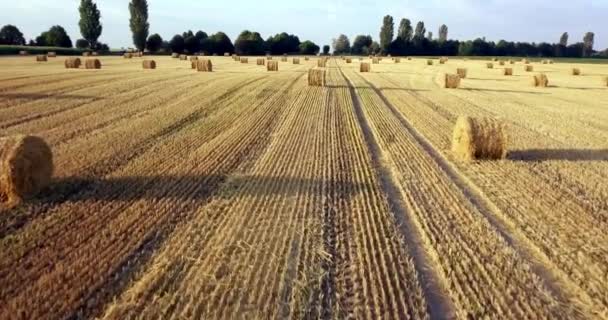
[451,81]
[429,62]
[479,138]
[348,60]
[375,60]
[528,68]
[490,65]
[244,60]
[72,63]
[501,62]
[51,54]
[260,62]
[364,67]
[316,77]
[540,80]
[461,72]
[92,64]
[306,58]
[26,167]
[508,71]
[204,65]
[272,66]
[295,60]
[397,60]
[149,64]
[175,55]
[193,58]
[576,71]
[41,58]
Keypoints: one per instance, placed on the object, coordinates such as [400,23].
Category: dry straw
[451,81]
[526,61]
[72,63]
[51,54]
[260,62]
[443,60]
[41,58]
[502,63]
[397,60]
[26,167]
[321,63]
[508,71]
[295,60]
[529,68]
[479,138]
[576,71]
[349,60]
[495,59]
[193,64]
[244,60]
[461,72]
[409,58]
[490,65]
[92,64]
[268,57]
[204,65]
[365,67]
[540,80]
[149,64]
[511,61]
[375,60]
[272,66]
[306,58]
[316,77]
[605,81]
[429,62]
[183,57]
[284,59]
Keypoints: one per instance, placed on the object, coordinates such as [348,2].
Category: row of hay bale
[74,63]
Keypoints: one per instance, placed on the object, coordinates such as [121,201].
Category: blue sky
[320,21]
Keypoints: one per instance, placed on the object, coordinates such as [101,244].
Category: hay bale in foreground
[272,66]
[41,58]
[316,77]
[260,62]
[429,62]
[92,64]
[72,63]
[204,65]
[51,54]
[128,55]
[576,71]
[540,80]
[149,64]
[295,60]
[461,72]
[479,138]
[528,68]
[451,81]
[490,65]
[365,67]
[175,55]
[26,167]
[508,72]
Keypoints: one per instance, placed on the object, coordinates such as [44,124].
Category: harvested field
[330,193]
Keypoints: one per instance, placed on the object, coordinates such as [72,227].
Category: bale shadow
[482,79]
[381,88]
[533,155]
[502,91]
[36,96]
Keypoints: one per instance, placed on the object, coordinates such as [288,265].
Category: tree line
[408,40]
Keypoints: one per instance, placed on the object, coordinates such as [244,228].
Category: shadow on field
[196,187]
[482,79]
[381,88]
[559,154]
[503,91]
[35,96]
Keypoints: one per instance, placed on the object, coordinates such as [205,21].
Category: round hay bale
[528,68]
[284,58]
[479,138]
[501,62]
[128,55]
[316,77]
[576,71]
[605,81]
[260,62]
[244,60]
[175,55]
[41,58]
[296,60]
[429,62]
[204,65]
[72,63]
[540,80]
[26,167]
[490,65]
[508,71]
[526,61]
[348,60]
[375,60]
[397,60]
[149,64]
[193,64]
[364,67]
[92,64]
[51,54]
[451,81]
[272,66]
[461,72]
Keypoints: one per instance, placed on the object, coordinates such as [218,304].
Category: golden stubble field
[243,193]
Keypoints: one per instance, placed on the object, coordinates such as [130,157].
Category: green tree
[588,42]
[405,31]
[420,31]
[341,45]
[309,47]
[375,48]
[55,37]
[177,44]
[82,44]
[249,43]
[139,22]
[386,33]
[154,43]
[563,40]
[219,43]
[326,49]
[9,34]
[361,44]
[283,43]
[90,26]
[429,36]
[443,33]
